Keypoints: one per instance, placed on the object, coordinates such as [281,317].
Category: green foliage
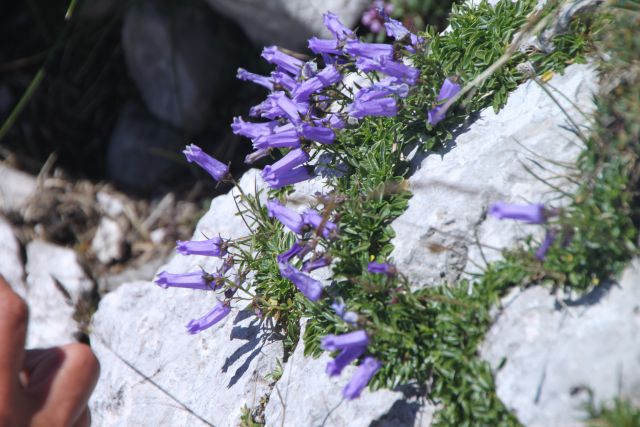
[621,414]
[430,335]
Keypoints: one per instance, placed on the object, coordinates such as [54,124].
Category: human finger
[66,396]
[14,316]
[85,418]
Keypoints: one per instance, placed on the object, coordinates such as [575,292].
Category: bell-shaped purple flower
[337,28]
[289,218]
[320,134]
[211,247]
[281,137]
[292,109]
[256,155]
[315,220]
[345,357]
[333,120]
[292,176]
[349,340]
[373,102]
[292,159]
[398,31]
[296,249]
[285,80]
[195,280]
[219,312]
[341,310]
[252,130]
[366,370]
[215,168]
[357,48]
[531,214]
[313,264]
[328,76]
[310,287]
[448,90]
[549,238]
[382,268]
[268,109]
[319,46]
[286,62]
[254,78]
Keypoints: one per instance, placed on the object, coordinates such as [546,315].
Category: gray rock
[556,351]
[214,374]
[306,396]
[11,264]
[445,231]
[16,189]
[142,150]
[176,55]
[56,284]
[108,242]
[287,23]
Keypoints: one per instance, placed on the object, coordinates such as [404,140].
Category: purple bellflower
[255,78]
[366,370]
[369,50]
[337,28]
[211,247]
[286,62]
[448,90]
[267,108]
[531,214]
[319,46]
[195,280]
[391,85]
[282,136]
[328,76]
[292,159]
[333,120]
[549,238]
[353,339]
[285,80]
[382,268]
[289,218]
[256,155]
[341,310]
[314,264]
[219,312]
[310,287]
[346,356]
[397,70]
[215,168]
[292,109]
[294,250]
[373,102]
[314,219]
[292,176]
[398,31]
[320,134]
[252,130]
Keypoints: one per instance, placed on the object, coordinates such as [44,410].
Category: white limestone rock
[556,351]
[56,283]
[445,230]
[287,23]
[108,242]
[306,396]
[214,373]
[16,189]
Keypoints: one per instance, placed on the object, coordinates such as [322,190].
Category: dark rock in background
[143,152]
[176,53]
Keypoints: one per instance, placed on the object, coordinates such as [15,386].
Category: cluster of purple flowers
[298,109]
[216,247]
[301,224]
[530,214]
